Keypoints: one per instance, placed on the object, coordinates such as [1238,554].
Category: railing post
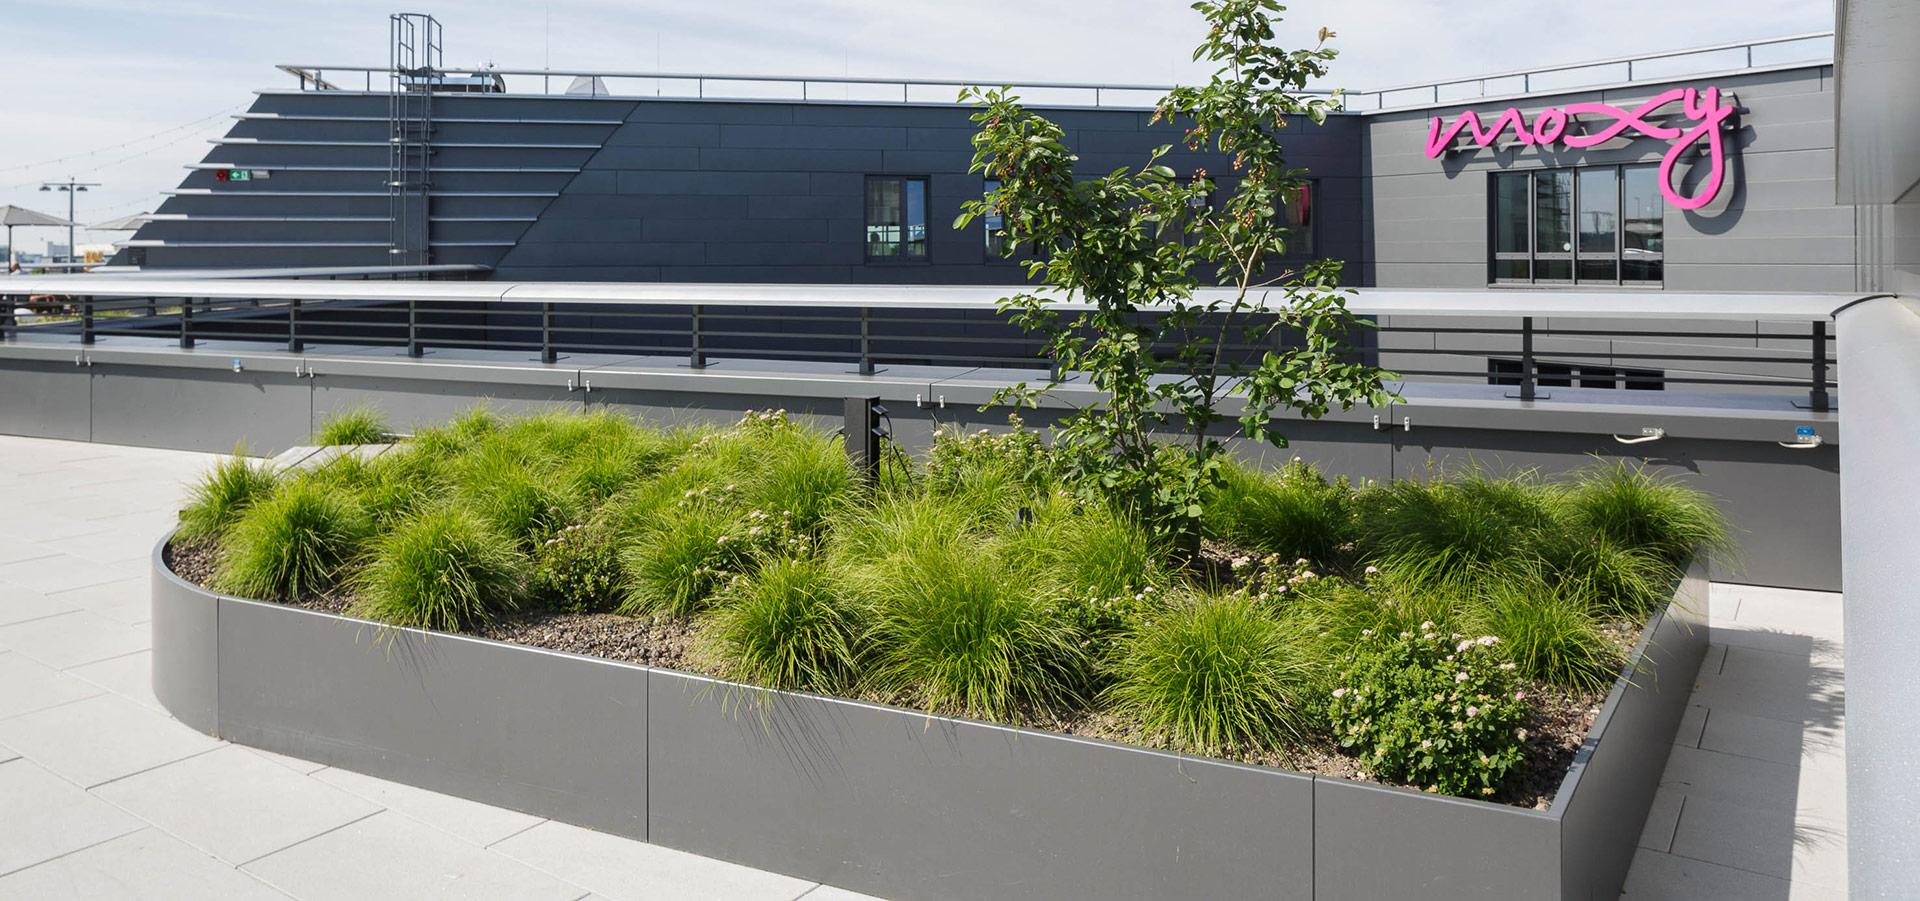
[86,319]
[186,323]
[1818,400]
[866,341]
[413,329]
[294,344]
[1526,358]
[696,349]
[547,352]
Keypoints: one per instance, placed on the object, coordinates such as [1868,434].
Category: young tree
[1126,251]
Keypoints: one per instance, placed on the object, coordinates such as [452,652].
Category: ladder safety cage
[414,62]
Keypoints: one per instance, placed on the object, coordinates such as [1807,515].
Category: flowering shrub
[577,571]
[1434,710]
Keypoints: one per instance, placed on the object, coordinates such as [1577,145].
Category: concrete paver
[1752,804]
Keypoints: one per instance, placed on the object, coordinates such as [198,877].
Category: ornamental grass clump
[955,630]
[1551,638]
[291,543]
[1294,513]
[1218,675]
[789,625]
[354,425]
[1447,527]
[1434,709]
[217,501]
[799,476]
[1629,505]
[443,569]
[675,568]
[514,492]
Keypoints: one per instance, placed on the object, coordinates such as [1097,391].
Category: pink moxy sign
[1703,107]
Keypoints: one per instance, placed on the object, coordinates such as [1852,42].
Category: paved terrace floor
[104,796]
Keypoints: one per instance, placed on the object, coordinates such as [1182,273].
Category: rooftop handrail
[313,77]
[1627,61]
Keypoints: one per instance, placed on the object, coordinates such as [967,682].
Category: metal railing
[1791,356]
[1811,47]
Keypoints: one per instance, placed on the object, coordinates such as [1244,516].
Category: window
[996,224]
[1297,211]
[896,219]
[1600,225]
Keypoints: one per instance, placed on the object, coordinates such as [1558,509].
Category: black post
[866,341]
[413,329]
[697,354]
[294,344]
[863,435]
[547,352]
[1818,399]
[1526,358]
[86,319]
[186,323]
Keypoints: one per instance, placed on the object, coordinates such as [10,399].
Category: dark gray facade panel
[186,647]
[1604,802]
[199,409]
[1372,842]
[928,808]
[462,716]
[45,400]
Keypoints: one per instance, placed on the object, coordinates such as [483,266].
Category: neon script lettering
[1703,108]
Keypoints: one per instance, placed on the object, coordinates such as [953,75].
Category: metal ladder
[413,62]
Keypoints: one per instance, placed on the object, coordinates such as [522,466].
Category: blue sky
[83,75]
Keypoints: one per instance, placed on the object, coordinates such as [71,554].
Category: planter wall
[893,802]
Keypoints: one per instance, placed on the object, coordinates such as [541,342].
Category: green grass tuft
[514,493]
[788,626]
[675,568]
[1457,526]
[353,425]
[292,542]
[1218,674]
[1634,507]
[1550,637]
[956,631]
[1294,513]
[217,501]
[442,569]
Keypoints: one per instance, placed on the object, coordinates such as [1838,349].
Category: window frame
[899,258]
[1533,255]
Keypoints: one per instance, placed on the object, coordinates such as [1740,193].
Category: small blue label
[1805,431]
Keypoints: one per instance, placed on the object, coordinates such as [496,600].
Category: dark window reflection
[896,218]
[1643,223]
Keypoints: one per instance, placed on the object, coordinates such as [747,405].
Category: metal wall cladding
[45,399]
[531,730]
[201,409]
[894,802]
[1773,227]
[904,806]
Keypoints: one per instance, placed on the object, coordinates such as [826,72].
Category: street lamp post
[71,187]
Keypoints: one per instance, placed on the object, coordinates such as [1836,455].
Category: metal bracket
[939,402]
[1806,442]
[82,360]
[582,385]
[1647,434]
[1405,424]
[303,370]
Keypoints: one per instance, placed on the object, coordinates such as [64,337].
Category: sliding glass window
[1598,225]
[896,219]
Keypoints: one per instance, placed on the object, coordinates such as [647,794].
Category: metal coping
[271,284]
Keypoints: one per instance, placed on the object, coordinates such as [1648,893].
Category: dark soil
[1559,724]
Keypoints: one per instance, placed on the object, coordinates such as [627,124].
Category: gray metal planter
[894,802]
